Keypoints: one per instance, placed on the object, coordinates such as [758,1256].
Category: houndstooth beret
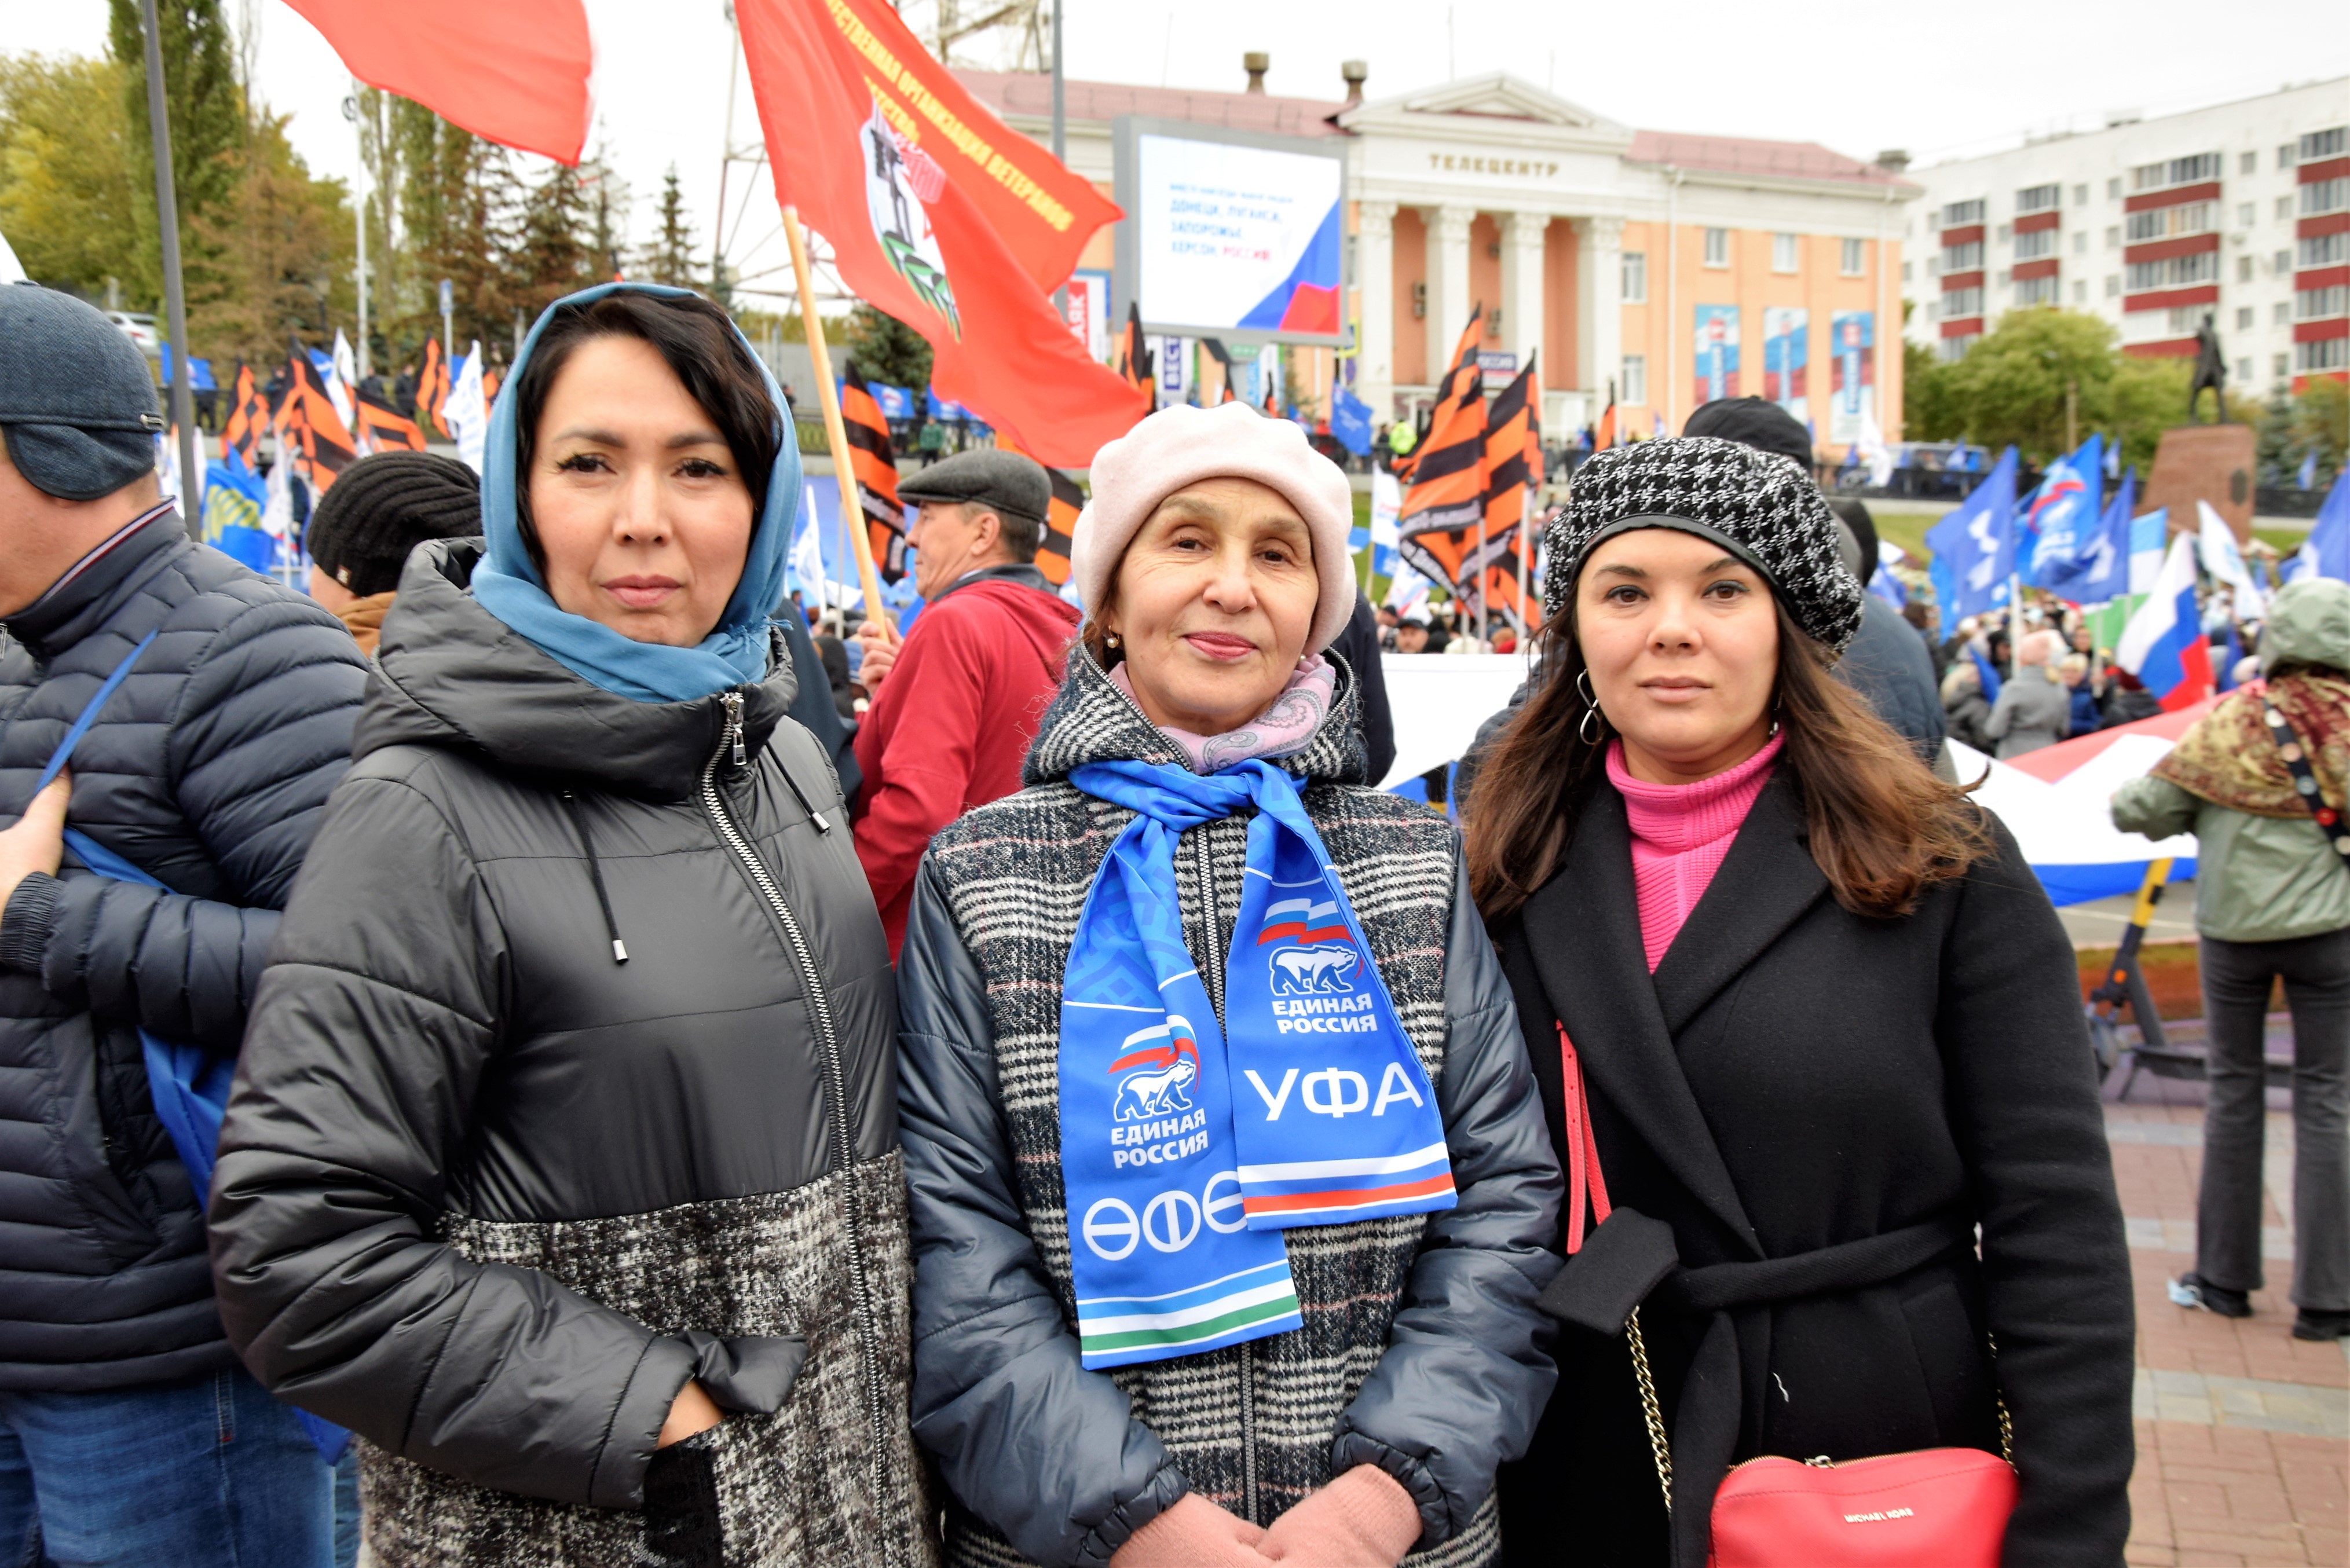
[1762,508]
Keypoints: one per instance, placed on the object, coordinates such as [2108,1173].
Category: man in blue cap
[129,1434]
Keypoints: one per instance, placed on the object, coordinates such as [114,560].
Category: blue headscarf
[507,582]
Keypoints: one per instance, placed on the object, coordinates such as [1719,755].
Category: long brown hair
[1883,828]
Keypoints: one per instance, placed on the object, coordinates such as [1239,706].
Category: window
[2246,215]
[2081,293]
[2283,314]
[2323,354]
[2243,318]
[2243,269]
[2005,229]
[2319,250]
[1962,259]
[2320,144]
[2004,276]
[1849,258]
[2164,222]
[2112,285]
[2285,156]
[2176,171]
[1905,272]
[2177,272]
[2244,370]
[2325,195]
[2113,189]
[2189,318]
[2283,363]
[1635,380]
[1960,302]
[2037,291]
[2038,198]
[1933,267]
[1783,253]
[2250,163]
[1717,247]
[1958,215]
[2080,195]
[2080,242]
[2310,303]
[2285,209]
[1636,277]
[1955,348]
[1933,309]
[2038,242]
[2113,237]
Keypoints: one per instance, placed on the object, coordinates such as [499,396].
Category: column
[1375,295]
[1448,282]
[1522,285]
[1599,310]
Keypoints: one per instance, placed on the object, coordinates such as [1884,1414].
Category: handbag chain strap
[1584,1179]
[2295,754]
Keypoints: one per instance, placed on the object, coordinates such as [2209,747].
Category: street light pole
[175,300]
[358,206]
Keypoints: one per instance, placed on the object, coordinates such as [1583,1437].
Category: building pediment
[1468,107]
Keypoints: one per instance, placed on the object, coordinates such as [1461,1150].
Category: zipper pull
[732,701]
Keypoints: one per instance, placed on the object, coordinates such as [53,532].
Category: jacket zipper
[835,1077]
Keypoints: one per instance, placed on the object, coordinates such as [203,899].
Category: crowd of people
[1032,1103]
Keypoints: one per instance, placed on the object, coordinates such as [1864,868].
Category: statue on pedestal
[2211,370]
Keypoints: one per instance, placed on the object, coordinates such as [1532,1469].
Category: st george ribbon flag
[937,214]
[514,72]
[1975,546]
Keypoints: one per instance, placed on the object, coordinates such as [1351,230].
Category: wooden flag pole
[835,433]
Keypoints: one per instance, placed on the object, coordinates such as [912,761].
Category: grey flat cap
[77,402]
[1008,482]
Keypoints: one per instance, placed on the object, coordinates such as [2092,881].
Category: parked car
[140,329]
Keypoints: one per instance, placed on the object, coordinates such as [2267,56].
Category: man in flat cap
[129,1434]
[955,706]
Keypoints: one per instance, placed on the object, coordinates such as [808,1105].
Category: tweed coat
[1422,1350]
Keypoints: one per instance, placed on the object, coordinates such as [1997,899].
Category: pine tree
[607,216]
[459,208]
[556,255]
[887,349]
[669,259]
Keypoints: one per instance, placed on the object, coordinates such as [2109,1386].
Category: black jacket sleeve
[1047,1452]
[1467,1373]
[2023,1106]
[377,1020]
[1358,644]
[813,705]
[260,737]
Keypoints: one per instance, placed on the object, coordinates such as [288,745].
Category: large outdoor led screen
[1228,233]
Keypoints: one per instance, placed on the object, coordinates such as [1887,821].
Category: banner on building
[1087,311]
[1786,350]
[1716,338]
[1174,371]
[1853,340]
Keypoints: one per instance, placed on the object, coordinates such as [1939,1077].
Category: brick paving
[2243,1432]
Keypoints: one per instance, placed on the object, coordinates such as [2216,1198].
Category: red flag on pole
[938,214]
[514,72]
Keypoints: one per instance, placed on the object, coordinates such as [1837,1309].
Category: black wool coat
[1796,1078]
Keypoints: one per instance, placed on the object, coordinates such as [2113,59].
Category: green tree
[66,198]
[886,348]
[553,254]
[206,105]
[669,257]
[1929,409]
[460,215]
[606,196]
[283,256]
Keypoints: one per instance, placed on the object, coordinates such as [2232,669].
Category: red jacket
[953,724]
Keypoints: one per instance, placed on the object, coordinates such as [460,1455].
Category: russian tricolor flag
[2162,644]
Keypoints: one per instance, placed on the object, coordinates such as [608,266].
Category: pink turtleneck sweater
[1680,834]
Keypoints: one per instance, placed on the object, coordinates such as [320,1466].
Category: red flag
[514,72]
[1447,477]
[875,468]
[865,138]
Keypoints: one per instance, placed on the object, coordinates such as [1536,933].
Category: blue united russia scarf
[1187,1147]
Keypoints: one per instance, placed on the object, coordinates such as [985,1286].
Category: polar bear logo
[1312,972]
[1157,1093]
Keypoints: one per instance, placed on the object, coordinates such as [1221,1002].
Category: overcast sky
[1942,81]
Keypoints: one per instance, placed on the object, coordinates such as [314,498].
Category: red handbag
[1934,1507]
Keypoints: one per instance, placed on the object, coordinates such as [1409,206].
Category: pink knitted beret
[1180,446]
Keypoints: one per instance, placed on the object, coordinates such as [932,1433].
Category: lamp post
[359,207]
[175,300]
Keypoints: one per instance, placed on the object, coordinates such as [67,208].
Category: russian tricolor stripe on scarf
[1246,1305]
[1291,1192]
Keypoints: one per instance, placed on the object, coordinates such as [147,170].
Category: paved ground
[2243,1432]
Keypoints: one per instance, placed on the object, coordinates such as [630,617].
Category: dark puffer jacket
[1422,1350]
[489,1195]
[207,769]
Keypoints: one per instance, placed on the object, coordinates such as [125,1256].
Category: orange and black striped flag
[1135,365]
[874,466]
[1513,477]
[1060,519]
[248,416]
[310,432]
[433,387]
[1445,492]
[381,427]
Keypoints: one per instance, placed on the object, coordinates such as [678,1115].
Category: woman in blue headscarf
[563,1167]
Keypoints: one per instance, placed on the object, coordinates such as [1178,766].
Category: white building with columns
[1660,267]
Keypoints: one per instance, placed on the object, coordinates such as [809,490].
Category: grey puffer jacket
[207,769]
[1422,1352]
[490,1193]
